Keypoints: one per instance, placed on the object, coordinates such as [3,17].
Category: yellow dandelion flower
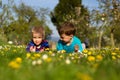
[85,51]
[70,54]
[76,57]
[50,52]
[28,55]
[61,56]
[14,50]
[18,60]
[14,65]
[47,49]
[91,58]
[89,53]
[117,49]
[33,58]
[37,55]
[113,53]
[6,49]
[63,51]
[114,58]
[48,59]
[118,56]
[99,57]
[83,76]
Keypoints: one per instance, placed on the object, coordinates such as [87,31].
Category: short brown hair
[67,28]
[39,29]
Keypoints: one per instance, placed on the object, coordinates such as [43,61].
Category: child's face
[37,38]
[66,38]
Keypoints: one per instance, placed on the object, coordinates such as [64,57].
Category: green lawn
[92,64]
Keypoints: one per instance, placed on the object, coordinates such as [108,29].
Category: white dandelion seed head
[72,58]
[1,47]
[10,42]
[34,62]
[39,61]
[45,56]
[53,54]
[67,61]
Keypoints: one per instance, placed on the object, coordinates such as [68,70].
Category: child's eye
[34,37]
[39,37]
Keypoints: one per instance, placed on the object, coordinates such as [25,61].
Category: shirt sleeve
[78,42]
[28,46]
[46,45]
[59,45]
[80,46]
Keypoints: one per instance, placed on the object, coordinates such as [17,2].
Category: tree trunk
[100,40]
[112,40]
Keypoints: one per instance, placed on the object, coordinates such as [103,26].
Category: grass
[92,64]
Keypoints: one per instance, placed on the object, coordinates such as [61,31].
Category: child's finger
[31,47]
[34,47]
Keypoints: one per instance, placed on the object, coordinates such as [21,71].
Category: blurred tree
[18,25]
[6,17]
[111,10]
[72,11]
[106,20]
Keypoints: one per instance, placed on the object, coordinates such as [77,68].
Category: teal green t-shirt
[69,48]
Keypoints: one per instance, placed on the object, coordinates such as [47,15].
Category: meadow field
[91,64]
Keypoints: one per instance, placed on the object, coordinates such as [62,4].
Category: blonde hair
[38,29]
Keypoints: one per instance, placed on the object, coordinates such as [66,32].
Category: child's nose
[37,39]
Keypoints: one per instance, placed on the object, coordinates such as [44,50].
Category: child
[68,41]
[37,44]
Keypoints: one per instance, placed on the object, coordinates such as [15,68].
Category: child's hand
[32,48]
[76,48]
[42,50]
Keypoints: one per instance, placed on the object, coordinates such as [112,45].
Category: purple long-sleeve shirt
[44,44]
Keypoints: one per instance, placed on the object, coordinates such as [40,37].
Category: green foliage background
[17,21]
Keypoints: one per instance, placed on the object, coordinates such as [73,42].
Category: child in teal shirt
[68,41]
